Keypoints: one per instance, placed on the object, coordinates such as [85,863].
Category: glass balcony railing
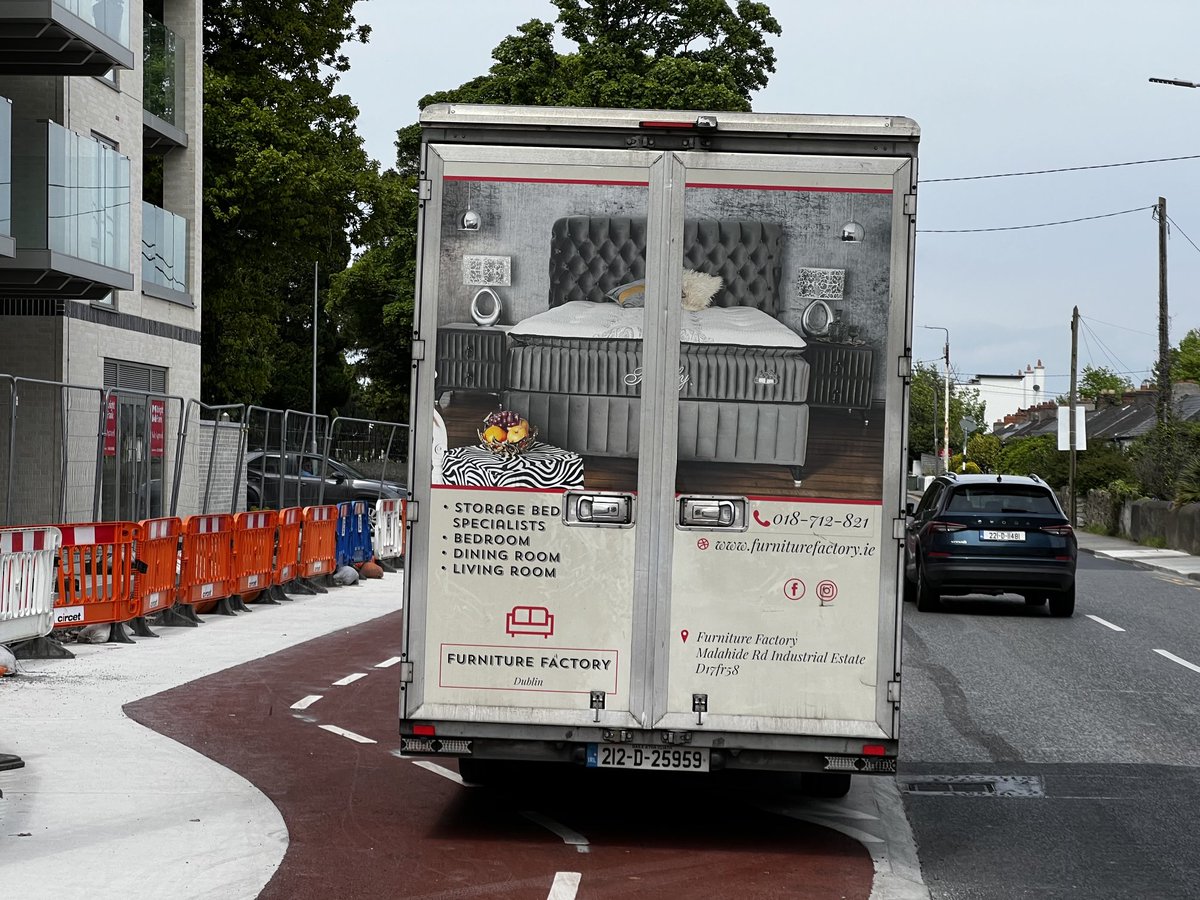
[5,167]
[87,200]
[109,16]
[164,248]
[161,58]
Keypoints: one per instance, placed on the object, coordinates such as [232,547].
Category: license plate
[645,756]
[1002,535]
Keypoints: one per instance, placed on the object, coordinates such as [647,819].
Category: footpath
[1176,562]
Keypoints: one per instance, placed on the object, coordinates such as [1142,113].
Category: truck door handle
[726,513]
[596,508]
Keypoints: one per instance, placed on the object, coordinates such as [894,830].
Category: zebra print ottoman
[541,466]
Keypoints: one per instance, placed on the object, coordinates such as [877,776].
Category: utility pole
[1164,340]
[946,422]
[1071,408]
[316,273]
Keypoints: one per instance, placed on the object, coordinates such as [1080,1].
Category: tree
[926,423]
[985,450]
[1095,382]
[286,183]
[650,54]
[1185,359]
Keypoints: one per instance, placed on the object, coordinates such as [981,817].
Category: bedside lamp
[485,273]
[819,286]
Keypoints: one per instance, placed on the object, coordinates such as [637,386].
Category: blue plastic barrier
[354,533]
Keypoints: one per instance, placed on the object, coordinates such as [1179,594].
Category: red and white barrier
[389,528]
[27,582]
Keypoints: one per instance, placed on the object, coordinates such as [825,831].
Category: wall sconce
[470,220]
[819,286]
[485,273]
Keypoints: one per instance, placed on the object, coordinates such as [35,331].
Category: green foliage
[1036,456]
[926,422]
[1096,381]
[1187,486]
[1185,359]
[1100,465]
[1123,489]
[649,54]
[286,184]
[984,450]
[1159,456]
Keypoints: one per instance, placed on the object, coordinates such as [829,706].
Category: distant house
[1003,395]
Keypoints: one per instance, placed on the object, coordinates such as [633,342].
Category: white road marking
[564,887]
[440,770]
[349,679]
[307,701]
[569,837]
[1105,623]
[348,734]
[1182,662]
[388,663]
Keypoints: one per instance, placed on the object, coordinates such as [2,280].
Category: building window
[109,300]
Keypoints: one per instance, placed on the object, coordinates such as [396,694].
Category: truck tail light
[424,730]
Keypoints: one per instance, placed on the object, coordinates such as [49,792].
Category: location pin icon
[683,634]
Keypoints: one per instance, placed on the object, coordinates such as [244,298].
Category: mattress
[583,348]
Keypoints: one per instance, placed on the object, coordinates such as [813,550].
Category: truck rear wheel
[825,784]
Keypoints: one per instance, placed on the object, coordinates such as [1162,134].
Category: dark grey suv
[990,534]
[297,476]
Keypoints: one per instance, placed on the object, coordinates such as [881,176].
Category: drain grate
[974,785]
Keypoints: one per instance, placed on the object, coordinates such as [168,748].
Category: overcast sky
[1003,87]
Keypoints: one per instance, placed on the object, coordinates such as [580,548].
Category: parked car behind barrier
[299,477]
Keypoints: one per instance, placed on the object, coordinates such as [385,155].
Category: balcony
[164,255]
[64,37]
[70,204]
[162,99]
[7,244]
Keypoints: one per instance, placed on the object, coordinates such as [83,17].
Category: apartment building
[100,252]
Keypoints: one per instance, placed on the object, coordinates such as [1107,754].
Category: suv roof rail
[1034,476]
[953,475]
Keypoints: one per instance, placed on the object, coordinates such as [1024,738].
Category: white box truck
[659,407]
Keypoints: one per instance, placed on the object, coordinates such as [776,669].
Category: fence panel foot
[181,615]
[10,761]
[140,627]
[41,648]
[314,584]
[299,586]
[237,604]
[118,635]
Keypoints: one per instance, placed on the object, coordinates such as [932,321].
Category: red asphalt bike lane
[364,823]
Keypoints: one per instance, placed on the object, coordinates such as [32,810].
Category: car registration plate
[645,756]
[1003,535]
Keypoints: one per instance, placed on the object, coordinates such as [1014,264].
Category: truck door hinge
[898,528]
[406,673]
[424,189]
[910,204]
[418,350]
[676,737]
[412,511]
[893,689]
[904,367]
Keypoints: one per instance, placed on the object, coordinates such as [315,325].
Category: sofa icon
[529,620]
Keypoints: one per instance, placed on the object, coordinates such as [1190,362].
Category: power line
[1136,162]
[1123,212]
[1122,327]
[1184,233]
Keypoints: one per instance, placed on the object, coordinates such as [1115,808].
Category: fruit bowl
[505,433]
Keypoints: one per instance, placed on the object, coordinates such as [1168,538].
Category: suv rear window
[1015,498]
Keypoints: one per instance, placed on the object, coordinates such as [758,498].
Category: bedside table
[841,375]
[470,357]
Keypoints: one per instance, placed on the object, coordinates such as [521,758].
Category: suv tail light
[1063,530]
[945,527]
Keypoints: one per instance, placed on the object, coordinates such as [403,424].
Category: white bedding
[738,325]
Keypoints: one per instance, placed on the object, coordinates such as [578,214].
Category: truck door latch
[676,737]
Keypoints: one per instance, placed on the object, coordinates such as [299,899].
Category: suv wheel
[1062,606]
[927,598]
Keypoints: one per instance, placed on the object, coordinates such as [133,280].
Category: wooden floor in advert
[844,460]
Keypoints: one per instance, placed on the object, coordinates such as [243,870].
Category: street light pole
[946,425]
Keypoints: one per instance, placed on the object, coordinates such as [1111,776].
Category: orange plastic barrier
[206,568]
[95,574]
[287,559]
[318,541]
[158,551]
[253,550]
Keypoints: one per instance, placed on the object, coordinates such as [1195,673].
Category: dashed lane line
[349,679]
[1105,623]
[1180,660]
[307,701]
[574,838]
[437,770]
[565,886]
[333,729]
[388,663]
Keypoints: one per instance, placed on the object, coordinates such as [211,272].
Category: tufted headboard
[589,255]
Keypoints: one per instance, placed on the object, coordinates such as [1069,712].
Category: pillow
[631,295]
[699,290]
